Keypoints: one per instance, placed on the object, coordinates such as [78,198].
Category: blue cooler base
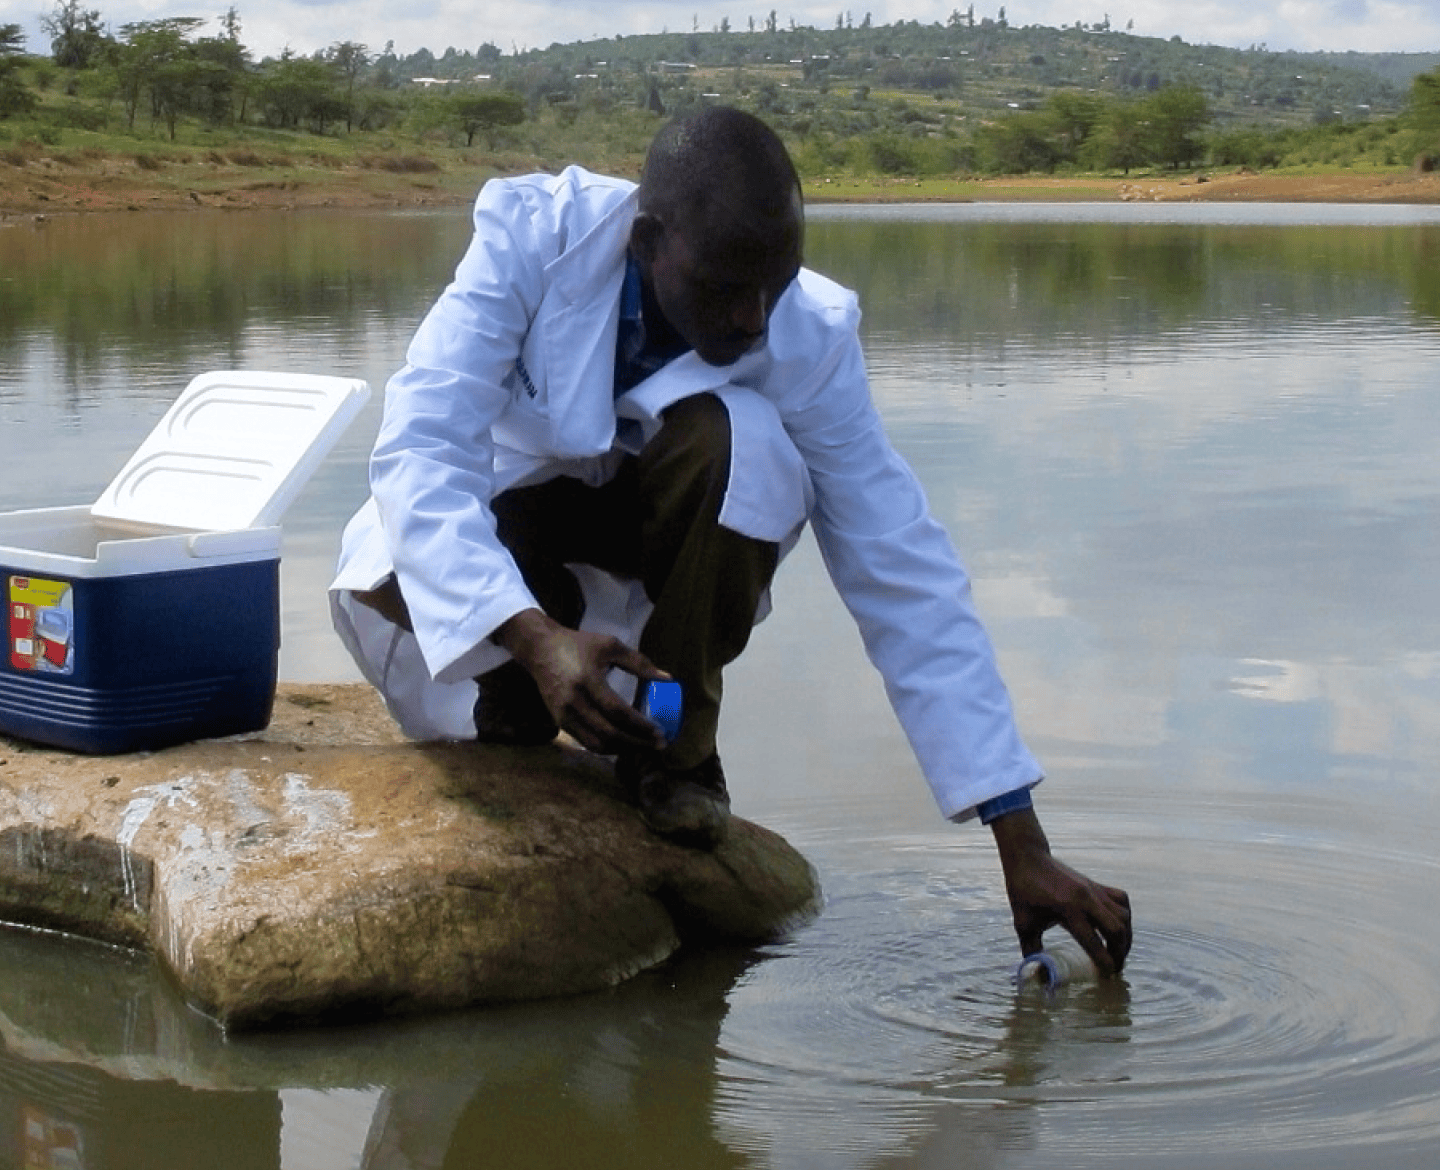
[122,664]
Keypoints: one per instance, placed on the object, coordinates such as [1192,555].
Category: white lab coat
[464,420]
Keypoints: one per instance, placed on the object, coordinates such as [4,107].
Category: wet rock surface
[327,868]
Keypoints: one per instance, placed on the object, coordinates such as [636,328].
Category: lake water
[1189,454]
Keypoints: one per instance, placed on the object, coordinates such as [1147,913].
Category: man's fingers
[1104,932]
[603,722]
[1114,922]
[633,662]
[1031,942]
[1098,919]
[1094,945]
[1118,940]
[626,720]
[1110,914]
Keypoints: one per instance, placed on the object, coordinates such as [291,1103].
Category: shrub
[1245,148]
[892,155]
[79,116]
[403,164]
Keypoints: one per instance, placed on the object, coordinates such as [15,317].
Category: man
[610,428]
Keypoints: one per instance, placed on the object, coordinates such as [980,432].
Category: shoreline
[50,187]
[1220,186]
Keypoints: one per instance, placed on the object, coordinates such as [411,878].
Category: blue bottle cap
[1040,967]
[662,703]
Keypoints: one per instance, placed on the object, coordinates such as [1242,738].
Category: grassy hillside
[171,109]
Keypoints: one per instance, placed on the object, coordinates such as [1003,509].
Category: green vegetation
[1425,114]
[15,97]
[909,101]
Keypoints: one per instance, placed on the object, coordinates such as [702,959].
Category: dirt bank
[51,185]
[1249,187]
[48,185]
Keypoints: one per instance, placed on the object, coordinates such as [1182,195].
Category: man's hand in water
[1045,892]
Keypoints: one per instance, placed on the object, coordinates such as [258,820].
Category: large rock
[326,867]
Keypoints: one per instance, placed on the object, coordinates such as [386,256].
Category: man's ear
[645,233]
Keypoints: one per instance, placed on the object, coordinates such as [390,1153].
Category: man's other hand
[570,668]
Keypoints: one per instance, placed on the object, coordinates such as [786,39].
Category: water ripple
[1266,1009]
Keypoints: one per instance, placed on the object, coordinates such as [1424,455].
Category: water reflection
[1189,457]
[160,285]
[135,1079]
[1086,282]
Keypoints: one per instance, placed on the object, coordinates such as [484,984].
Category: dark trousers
[657,522]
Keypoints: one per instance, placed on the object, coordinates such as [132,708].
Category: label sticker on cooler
[40,625]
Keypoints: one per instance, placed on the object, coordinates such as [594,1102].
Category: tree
[486,112]
[230,25]
[1248,147]
[1020,143]
[299,91]
[77,39]
[155,61]
[15,98]
[375,109]
[349,59]
[1122,141]
[187,84]
[1076,115]
[1425,117]
[1177,114]
[222,77]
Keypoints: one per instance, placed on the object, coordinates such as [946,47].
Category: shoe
[689,806]
[509,709]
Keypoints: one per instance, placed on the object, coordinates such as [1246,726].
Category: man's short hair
[719,159]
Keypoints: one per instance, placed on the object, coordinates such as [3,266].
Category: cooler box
[152,616]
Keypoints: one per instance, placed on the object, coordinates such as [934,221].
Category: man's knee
[696,431]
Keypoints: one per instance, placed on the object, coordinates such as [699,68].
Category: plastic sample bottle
[1055,967]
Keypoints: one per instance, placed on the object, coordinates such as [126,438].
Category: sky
[269,26]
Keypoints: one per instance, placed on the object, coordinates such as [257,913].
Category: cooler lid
[233,451]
